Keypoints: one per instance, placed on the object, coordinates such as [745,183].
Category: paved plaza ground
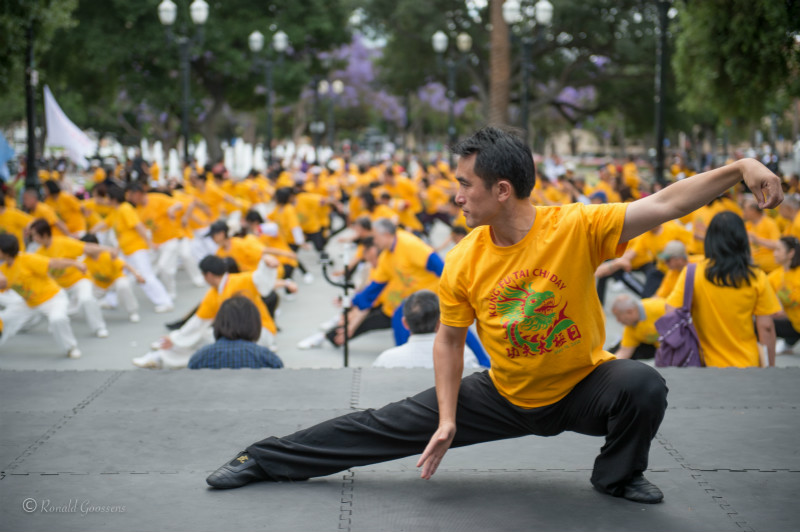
[96,444]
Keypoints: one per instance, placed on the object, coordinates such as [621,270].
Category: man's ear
[505,190]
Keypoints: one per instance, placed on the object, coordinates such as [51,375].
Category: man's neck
[512,226]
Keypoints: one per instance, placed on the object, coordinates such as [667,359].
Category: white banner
[62,133]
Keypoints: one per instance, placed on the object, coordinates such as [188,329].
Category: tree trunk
[499,65]
[209,128]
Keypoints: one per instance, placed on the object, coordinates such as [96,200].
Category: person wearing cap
[639,337]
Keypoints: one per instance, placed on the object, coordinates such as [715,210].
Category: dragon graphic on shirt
[532,319]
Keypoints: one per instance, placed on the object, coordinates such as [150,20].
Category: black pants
[317,239]
[373,321]
[784,329]
[653,278]
[300,265]
[623,400]
[642,351]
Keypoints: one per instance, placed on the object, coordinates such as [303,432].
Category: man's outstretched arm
[688,195]
[448,364]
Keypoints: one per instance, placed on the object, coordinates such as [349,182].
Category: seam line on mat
[698,477]
[32,448]
[346,503]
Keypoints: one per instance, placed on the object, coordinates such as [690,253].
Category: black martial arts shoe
[639,489]
[238,472]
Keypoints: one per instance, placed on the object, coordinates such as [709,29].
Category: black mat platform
[129,450]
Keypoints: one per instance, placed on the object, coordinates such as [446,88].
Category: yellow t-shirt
[66,248]
[124,220]
[42,210]
[14,221]
[403,269]
[68,208]
[537,313]
[649,244]
[28,276]
[286,218]
[766,228]
[104,270]
[644,332]
[236,284]
[154,216]
[786,284]
[245,251]
[723,316]
[308,208]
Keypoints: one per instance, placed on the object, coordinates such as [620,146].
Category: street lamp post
[464,45]
[280,41]
[514,17]
[31,80]
[333,90]
[661,77]
[167,13]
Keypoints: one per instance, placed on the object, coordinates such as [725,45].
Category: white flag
[62,133]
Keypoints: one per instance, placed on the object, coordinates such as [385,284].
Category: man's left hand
[765,186]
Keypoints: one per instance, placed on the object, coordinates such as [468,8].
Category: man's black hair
[9,244]
[41,227]
[237,319]
[500,154]
[283,195]
[253,216]
[117,194]
[136,187]
[421,311]
[364,222]
[231,266]
[90,238]
[52,187]
[213,265]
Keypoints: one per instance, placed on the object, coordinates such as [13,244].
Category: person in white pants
[27,275]
[135,245]
[72,280]
[175,350]
[108,277]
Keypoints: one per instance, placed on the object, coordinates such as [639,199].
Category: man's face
[479,204]
[383,240]
[29,200]
[628,317]
[218,238]
[676,263]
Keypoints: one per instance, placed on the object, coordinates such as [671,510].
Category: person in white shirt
[421,318]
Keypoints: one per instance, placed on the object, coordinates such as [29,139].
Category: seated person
[237,327]
[640,337]
[421,318]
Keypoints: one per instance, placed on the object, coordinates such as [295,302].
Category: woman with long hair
[785,281]
[729,293]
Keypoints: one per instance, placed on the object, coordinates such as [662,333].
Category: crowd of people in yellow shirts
[63,254]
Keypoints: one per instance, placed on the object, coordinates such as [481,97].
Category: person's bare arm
[687,195]
[448,363]
[625,352]
[60,263]
[765,327]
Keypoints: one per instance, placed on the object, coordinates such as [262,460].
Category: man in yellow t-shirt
[67,207]
[135,244]
[27,274]
[525,274]
[175,349]
[765,228]
[13,220]
[639,337]
[39,209]
[73,280]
